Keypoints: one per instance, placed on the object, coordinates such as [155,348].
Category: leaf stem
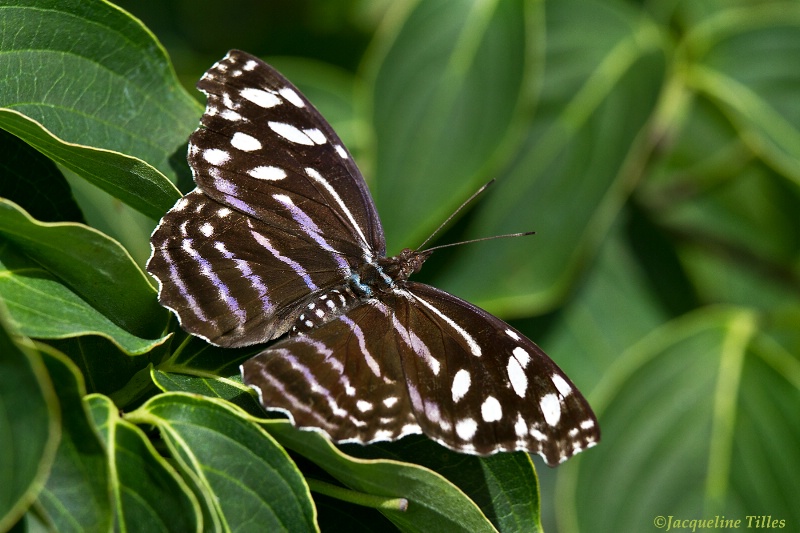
[359,498]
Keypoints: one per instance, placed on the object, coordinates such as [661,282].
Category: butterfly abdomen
[324,307]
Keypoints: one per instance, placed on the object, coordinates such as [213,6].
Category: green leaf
[229,389]
[103,366]
[336,516]
[686,408]
[254,484]
[94,91]
[766,436]
[437,133]
[573,173]
[76,496]
[198,367]
[587,338]
[149,495]
[191,354]
[43,308]
[29,425]
[434,504]
[503,485]
[91,264]
[738,58]
[34,182]
[131,180]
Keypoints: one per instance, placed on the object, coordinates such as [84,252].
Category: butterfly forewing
[280,211]
[281,236]
[267,152]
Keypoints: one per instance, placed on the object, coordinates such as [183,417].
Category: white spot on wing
[466,428]
[538,435]
[228,101]
[390,401]
[513,334]
[267,173]
[245,142]
[260,98]
[215,156]
[382,434]
[562,386]
[491,410]
[432,412]
[341,151]
[207,229]
[315,135]
[363,406]
[519,381]
[520,427]
[292,97]
[522,356]
[409,429]
[461,383]
[229,114]
[551,408]
[290,133]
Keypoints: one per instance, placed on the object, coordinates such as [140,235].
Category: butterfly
[281,239]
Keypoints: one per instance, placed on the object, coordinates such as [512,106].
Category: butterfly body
[281,239]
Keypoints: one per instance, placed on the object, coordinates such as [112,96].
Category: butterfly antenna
[493,237]
[454,213]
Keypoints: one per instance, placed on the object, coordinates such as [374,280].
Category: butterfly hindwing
[492,389]
[422,360]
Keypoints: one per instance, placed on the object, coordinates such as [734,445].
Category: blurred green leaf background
[653,146]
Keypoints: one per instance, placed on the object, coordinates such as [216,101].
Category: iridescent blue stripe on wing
[207,270]
[294,265]
[255,281]
[311,229]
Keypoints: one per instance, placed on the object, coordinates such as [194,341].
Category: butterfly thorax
[402,265]
[373,278]
[370,280]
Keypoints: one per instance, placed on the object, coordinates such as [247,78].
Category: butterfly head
[403,265]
